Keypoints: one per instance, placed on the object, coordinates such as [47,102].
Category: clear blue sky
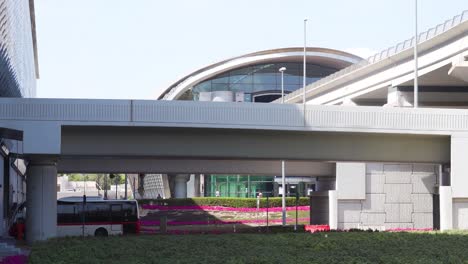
[134,49]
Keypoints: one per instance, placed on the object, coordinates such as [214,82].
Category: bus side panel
[111,229]
[69,230]
[77,230]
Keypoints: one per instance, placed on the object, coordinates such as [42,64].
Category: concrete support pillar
[167,188]
[397,98]
[349,102]
[41,201]
[193,186]
[196,186]
[181,185]
[333,210]
[446,211]
[459,165]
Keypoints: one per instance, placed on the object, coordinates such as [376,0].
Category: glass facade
[262,82]
[249,186]
[17,66]
[238,185]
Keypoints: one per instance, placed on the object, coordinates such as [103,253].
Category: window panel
[203,87]
[269,78]
[246,88]
[240,79]
[221,79]
[220,87]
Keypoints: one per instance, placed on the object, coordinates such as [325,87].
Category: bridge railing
[233,115]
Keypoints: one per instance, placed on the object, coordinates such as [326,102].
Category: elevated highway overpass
[154,136]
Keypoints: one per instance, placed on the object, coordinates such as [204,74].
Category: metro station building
[254,78]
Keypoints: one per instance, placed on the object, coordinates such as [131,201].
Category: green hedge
[226,201]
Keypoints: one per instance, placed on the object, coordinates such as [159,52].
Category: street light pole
[282,69]
[283,178]
[304,73]
[416,88]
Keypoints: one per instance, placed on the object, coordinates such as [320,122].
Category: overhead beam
[204,143]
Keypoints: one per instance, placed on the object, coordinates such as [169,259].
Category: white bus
[100,217]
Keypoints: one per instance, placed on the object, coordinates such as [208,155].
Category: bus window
[97,212]
[116,211]
[67,213]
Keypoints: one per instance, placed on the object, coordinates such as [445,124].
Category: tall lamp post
[416,88]
[304,73]
[283,178]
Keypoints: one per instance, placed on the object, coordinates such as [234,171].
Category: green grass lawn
[359,247]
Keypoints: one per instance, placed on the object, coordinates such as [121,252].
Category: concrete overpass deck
[133,133]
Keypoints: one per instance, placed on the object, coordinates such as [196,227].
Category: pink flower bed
[317,228]
[186,232]
[218,222]
[222,208]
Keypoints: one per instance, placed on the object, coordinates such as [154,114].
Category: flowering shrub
[316,228]
[222,208]
[226,202]
[218,222]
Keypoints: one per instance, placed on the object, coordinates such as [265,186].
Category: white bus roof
[80,199]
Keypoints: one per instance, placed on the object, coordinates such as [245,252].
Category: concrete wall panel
[405,199]
[351,180]
[374,168]
[423,220]
[349,211]
[459,166]
[424,182]
[425,168]
[374,203]
[375,183]
[347,226]
[460,214]
[422,203]
[406,212]
[373,219]
[398,193]
[392,212]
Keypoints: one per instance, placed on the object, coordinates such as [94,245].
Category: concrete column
[193,186]
[446,211]
[459,165]
[41,200]
[196,185]
[181,185]
[397,98]
[349,102]
[167,188]
[333,210]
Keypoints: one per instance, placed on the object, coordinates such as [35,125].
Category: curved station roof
[332,60]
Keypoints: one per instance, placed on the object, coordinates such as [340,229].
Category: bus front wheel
[101,232]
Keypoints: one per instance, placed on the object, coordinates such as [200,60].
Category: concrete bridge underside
[232,144]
